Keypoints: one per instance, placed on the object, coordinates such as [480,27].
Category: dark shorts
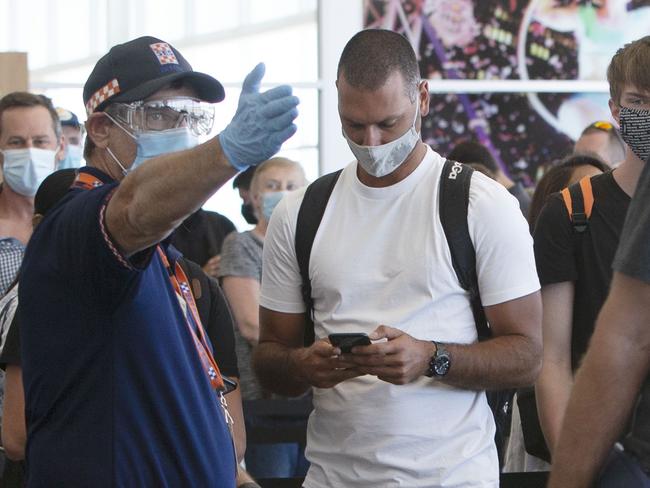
[622,471]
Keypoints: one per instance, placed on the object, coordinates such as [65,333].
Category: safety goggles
[158,115]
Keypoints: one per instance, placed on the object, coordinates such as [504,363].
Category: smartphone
[346,341]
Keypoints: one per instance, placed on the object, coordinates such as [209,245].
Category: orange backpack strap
[579,202]
[587,195]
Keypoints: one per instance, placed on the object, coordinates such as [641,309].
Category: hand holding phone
[346,341]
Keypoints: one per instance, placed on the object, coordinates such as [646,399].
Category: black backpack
[454,201]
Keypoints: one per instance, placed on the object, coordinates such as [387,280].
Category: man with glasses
[120,382]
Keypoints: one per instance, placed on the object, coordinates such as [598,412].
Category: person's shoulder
[485,189]
[215,217]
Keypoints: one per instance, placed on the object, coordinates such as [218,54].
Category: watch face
[441,365]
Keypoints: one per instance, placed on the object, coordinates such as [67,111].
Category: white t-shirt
[380,257]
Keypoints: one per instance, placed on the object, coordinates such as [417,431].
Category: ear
[60,152]
[615,109]
[424,98]
[36,219]
[98,129]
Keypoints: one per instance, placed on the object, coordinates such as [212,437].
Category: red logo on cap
[164,53]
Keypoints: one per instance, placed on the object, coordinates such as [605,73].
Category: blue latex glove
[263,121]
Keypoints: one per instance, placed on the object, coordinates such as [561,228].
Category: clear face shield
[161,115]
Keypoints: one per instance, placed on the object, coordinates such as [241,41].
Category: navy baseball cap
[132,71]
[68,118]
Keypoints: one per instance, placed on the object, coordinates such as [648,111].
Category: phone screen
[346,341]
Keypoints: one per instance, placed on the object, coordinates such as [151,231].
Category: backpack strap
[454,202]
[310,215]
[579,202]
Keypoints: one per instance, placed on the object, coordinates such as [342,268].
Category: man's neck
[16,212]
[627,173]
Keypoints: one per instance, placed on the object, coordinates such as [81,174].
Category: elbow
[14,447]
[250,331]
[533,364]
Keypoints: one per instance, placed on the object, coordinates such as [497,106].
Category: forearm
[602,399]
[250,331]
[239,429]
[552,392]
[277,368]
[153,200]
[14,436]
[508,361]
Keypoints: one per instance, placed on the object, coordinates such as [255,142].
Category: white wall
[338,20]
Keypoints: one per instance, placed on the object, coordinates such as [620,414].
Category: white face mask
[382,160]
[25,169]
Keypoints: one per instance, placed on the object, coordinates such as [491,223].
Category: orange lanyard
[181,285]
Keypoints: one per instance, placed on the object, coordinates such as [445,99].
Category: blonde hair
[275,163]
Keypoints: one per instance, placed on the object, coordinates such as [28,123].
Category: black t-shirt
[215,316]
[584,258]
[633,259]
[200,236]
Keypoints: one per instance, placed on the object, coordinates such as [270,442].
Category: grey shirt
[241,255]
[633,259]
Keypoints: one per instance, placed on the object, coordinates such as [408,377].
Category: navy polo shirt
[116,394]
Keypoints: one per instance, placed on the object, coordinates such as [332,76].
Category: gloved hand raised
[263,121]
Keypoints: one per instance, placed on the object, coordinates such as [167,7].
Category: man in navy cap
[73,134]
[120,383]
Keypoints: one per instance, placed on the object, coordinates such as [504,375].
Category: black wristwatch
[440,362]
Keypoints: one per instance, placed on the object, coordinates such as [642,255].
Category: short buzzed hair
[629,66]
[26,99]
[373,55]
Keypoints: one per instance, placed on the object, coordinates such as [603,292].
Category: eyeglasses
[158,115]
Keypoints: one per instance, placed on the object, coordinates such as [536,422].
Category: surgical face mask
[248,212]
[270,200]
[156,143]
[25,169]
[73,157]
[382,160]
[635,130]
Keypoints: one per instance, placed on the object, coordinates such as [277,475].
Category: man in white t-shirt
[404,411]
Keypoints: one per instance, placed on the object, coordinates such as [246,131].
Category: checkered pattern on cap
[104,93]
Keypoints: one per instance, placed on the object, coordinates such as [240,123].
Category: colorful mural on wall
[513,40]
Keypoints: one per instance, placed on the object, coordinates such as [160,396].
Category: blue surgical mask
[270,200]
[73,157]
[382,160]
[156,143]
[25,169]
